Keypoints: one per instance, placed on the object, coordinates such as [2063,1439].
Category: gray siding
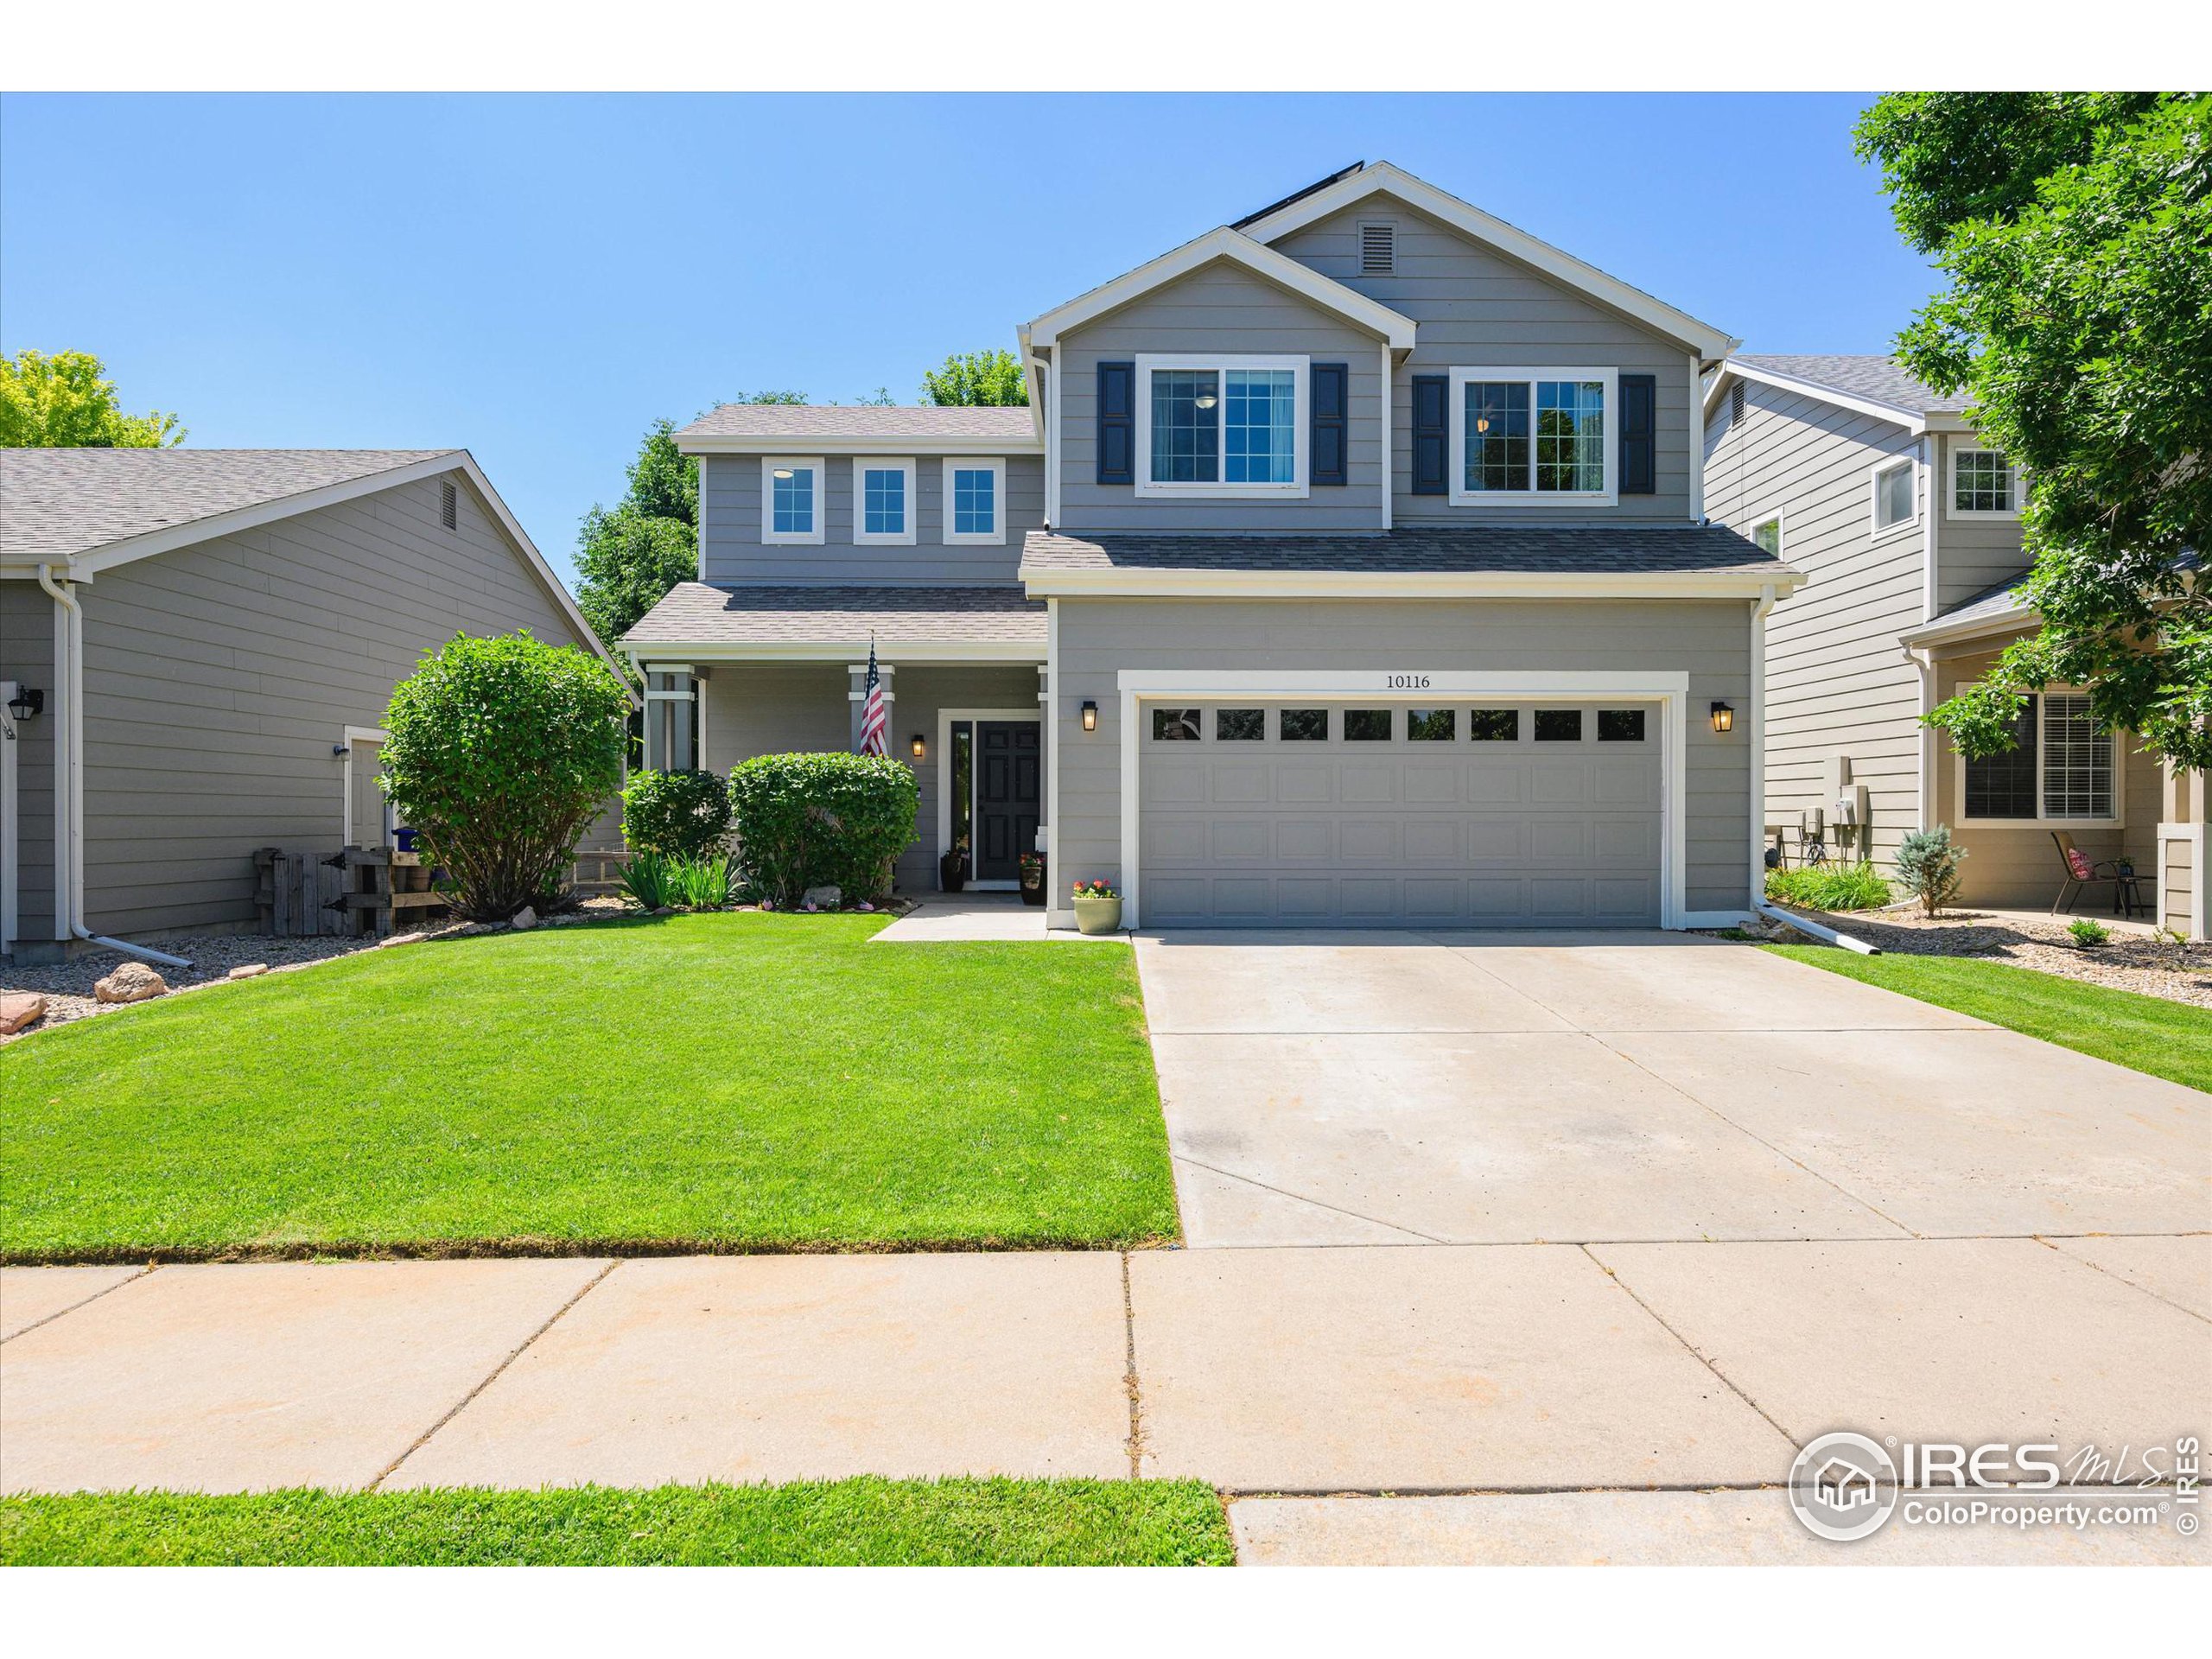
[1838,682]
[219,677]
[1475,307]
[27,656]
[800,708]
[1709,639]
[729,508]
[1221,308]
[1972,555]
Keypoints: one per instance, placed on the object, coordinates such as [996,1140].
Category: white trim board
[911,652]
[1915,422]
[946,719]
[1669,690]
[1469,220]
[904,443]
[1051,581]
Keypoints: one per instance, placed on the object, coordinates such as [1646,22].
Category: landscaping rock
[247,971]
[525,919]
[401,938]
[823,899]
[20,1011]
[134,982]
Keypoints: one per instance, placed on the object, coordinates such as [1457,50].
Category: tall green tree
[975,379]
[630,555]
[2076,232]
[67,402]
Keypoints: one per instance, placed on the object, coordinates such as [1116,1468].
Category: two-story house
[1907,528]
[1349,566]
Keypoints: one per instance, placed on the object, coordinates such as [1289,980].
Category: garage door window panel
[1175,725]
[1559,725]
[1240,725]
[1620,725]
[1494,725]
[1367,725]
[1432,725]
[1304,725]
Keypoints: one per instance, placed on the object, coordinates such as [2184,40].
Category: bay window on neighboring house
[883,502]
[2061,770]
[1983,484]
[1533,437]
[1221,426]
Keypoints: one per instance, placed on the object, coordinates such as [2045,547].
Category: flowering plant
[1097,890]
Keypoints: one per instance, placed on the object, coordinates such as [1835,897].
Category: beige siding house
[231,624]
[1349,566]
[1907,529]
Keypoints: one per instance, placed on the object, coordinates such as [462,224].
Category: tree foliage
[67,402]
[974,380]
[822,820]
[501,752]
[2076,231]
[1928,864]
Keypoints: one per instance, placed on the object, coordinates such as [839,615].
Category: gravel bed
[2129,962]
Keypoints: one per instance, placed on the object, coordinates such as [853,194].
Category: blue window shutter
[1432,432]
[1330,391]
[1117,422]
[1639,435]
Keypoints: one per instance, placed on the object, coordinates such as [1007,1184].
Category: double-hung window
[1896,487]
[792,499]
[1221,426]
[2061,769]
[1533,437]
[975,502]
[883,501]
[1983,484]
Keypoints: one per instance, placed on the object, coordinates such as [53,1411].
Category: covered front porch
[745,671]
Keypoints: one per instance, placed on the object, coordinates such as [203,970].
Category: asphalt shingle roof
[799,421]
[60,502]
[1689,550]
[694,613]
[1878,378]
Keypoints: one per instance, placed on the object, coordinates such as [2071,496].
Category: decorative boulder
[132,982]
[823,898]
[20,1011]
[247,971]
[400,938]
[525,919]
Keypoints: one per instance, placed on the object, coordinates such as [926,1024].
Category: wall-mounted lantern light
[1090,716]
[1724,718]
[915,743]
[26,702]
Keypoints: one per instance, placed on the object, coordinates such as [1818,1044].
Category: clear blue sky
[537,278]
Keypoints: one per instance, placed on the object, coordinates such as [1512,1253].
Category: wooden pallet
[349,893]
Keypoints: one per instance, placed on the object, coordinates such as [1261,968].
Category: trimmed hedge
[822,820]
[681,814]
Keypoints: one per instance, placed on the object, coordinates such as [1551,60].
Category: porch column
[669,692]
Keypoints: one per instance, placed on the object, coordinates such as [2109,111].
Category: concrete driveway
[1335,1089]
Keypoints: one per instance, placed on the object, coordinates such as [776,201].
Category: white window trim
[1780,520]
[1301,418]
[2118,819]
[769,534]
[996,468]
[862,466]
[1455,474]
[1951,507]
[1875,527]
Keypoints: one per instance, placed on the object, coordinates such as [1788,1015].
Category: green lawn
[2146,1033]
[865,1523]
[726,1081]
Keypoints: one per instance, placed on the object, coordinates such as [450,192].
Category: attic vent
[1378,252]
[1736,402]
[448,504]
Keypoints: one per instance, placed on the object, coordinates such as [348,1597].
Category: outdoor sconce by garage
[26,702]
[1090,716]
[915,743]
[1724,718]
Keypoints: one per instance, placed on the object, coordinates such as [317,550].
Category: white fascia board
[2014,620]
[815,443]
[1916,423]
[1554,262]
[1226,243]
[1353,584]
[909,651]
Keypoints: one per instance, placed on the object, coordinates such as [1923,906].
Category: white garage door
[1466,815]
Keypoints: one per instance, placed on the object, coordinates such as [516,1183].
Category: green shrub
[822,820]
[502,752]
[2086,931]
[1928,863]
[1829,887]
[682,814]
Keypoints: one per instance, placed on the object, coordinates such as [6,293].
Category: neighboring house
[237,619]
[1908,529]
[1349,566]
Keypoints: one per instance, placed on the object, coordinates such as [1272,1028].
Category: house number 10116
[1405,682]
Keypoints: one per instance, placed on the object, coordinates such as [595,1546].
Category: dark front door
[1008,767]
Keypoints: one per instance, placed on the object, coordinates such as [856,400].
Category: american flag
[872,716]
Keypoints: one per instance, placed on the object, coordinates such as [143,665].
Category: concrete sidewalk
[1443,1370]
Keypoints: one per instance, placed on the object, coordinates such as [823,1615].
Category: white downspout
[1759,609]
[69,761]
